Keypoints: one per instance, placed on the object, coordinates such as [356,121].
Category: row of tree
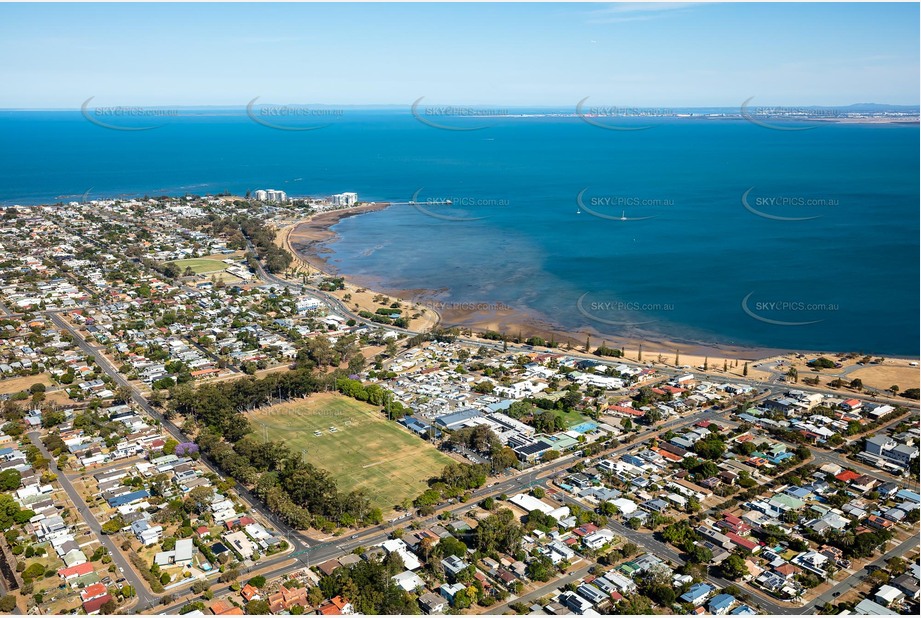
[299,492]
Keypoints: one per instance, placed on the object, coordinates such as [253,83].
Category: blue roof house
[720,604]
[697,594]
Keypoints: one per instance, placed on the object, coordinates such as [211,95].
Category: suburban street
[124,566]
[309,551]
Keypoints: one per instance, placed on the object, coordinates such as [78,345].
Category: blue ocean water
[820,254]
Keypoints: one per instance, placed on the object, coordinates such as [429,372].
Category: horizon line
[509,106]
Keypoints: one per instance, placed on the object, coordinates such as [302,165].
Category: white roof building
[530,503]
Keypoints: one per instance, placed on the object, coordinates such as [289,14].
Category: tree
[315,596]
[10,480]
[653,416]
[897,566]
[461,600]
[108,608]
[498,532]
[540,569]
[733,568]
[608,509]
[257,581]
[710,448]
[258,608]
[7,603]
[33,571]
[636,605]
[503,457]
[200,586]
[699,554]
[228,576]
[113,525]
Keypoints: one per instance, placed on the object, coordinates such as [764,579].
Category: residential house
[697,594]
[720,604]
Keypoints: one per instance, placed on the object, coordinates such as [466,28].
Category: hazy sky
[462,54]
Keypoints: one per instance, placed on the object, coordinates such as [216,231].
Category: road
[842,587]
[144,595]
[548,588]
[312,551]
[142,403]
[309,551]
[337,305]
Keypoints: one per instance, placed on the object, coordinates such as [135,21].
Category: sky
[628,54]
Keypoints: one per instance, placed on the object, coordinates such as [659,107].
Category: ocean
[711,231]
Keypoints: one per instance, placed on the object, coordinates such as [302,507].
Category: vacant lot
[14,385]
[886,375]
[201,265]
[356,444]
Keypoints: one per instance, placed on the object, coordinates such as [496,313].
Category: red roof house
[93,591]
[76,571]
[94,605]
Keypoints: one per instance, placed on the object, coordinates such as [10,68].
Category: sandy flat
[304,240]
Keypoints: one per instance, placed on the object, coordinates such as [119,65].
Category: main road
[307,550]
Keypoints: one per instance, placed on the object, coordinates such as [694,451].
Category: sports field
[356,444]
[201,265]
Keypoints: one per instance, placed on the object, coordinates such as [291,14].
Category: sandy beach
[305,240]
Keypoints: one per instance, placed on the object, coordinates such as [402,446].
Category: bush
[257,582]
[34,570]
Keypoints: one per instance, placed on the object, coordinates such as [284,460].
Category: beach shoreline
[306,239]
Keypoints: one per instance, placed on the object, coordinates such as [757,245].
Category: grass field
[365,452]
[201,265]
[572,418]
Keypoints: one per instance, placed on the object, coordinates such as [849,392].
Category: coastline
[306,240]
